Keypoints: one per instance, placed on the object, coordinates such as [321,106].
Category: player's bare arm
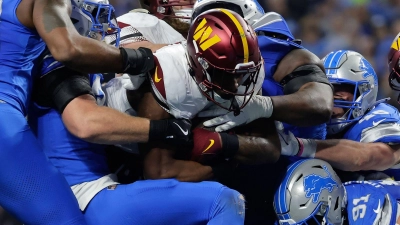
[312,103]
[52,21]
[342,154]
[103,125]
[349,155]
[159,159]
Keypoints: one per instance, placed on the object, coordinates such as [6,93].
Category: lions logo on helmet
[311,193]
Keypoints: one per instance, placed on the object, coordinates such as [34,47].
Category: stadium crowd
[278,109]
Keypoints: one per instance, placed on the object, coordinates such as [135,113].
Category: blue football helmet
[351,68]
[95,18]
[311,193]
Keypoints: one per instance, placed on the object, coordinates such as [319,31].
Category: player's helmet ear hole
[336,204]
[301,175]
[317,166]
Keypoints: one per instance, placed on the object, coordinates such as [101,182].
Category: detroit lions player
[357,116]
[27,27]
[312,193]
[295,85]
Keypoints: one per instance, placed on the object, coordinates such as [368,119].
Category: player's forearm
[257,150]
[311,105]
[103,125]
[53,23]
[92,56]
[355,156]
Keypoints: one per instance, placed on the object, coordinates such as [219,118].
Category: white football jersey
[175,89]
[150,27]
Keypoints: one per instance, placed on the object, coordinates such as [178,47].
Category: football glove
[258,107]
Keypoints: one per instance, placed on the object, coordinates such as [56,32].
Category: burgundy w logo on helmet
[224,57]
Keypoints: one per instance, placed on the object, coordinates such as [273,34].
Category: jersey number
[360,209]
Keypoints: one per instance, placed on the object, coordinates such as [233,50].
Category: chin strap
[235,107]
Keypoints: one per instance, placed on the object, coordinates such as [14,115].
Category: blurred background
[365,26]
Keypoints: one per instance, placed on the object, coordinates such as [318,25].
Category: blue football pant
[167,201]
[31,188]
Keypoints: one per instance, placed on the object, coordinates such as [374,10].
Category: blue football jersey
[372,202]
[273,50]
[20,48]
[381,124]
[79,161]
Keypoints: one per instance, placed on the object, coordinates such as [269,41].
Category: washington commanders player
[221,66]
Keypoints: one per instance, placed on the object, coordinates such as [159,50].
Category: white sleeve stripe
[369,135]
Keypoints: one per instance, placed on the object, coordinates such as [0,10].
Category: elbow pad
[302,75]
[61,86]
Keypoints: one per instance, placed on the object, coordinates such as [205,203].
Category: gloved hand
[209,146]
[289,144]
[171,131]
[292,145]
[137,61]
[258,107]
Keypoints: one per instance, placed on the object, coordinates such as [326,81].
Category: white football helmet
[94,17]
[250,10]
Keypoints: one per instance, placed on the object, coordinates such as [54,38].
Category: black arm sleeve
[59,87]
[304,74]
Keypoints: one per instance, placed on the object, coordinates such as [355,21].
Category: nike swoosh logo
[156,79]
[377,210]
[283,138]
[185,132]
[378,122]
[209,146]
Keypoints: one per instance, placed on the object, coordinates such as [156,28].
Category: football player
[357,117]
[27,27]
[295,85]
[55,122]
[312,193]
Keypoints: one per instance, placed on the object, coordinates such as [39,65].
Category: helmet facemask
[104,22]
[215,81]
[179,9]
[354,108]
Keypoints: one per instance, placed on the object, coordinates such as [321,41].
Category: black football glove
[171,131]
[137,61]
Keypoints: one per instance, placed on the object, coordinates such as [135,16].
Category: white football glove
[289,143]
[258,107]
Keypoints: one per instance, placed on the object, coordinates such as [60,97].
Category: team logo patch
[314,184]
[203,33]
[368,70]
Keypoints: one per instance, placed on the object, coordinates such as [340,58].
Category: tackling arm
[51,19]
[349,155]
[342,154]
[159,162]
[312,103]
